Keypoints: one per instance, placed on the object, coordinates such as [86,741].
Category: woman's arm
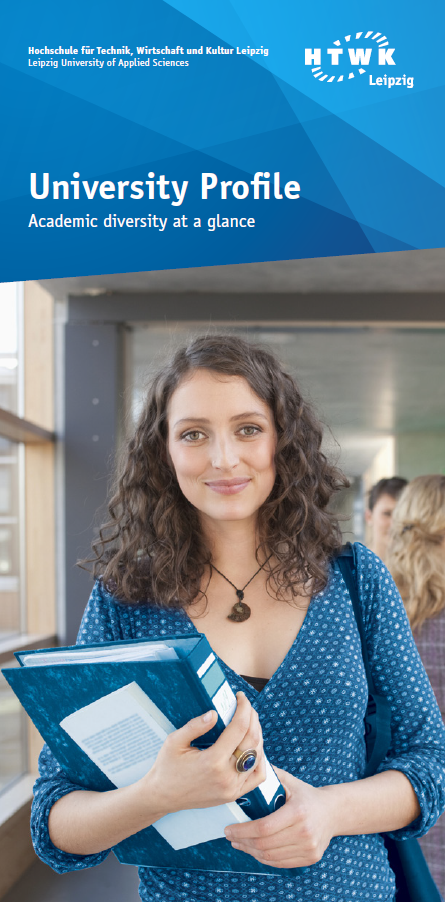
[299,833]
[378,804]
[85,823]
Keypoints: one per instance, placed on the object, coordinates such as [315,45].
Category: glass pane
[12,734]
[9,540]
[8,346]
[9,489]
[13,744]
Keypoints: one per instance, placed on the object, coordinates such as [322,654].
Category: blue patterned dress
[311,712]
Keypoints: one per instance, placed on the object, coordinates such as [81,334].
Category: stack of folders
[105,711]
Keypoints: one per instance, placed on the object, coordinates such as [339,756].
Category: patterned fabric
[311,713]
[431,645]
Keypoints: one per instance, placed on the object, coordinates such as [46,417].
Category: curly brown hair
[152,546]
[416,556]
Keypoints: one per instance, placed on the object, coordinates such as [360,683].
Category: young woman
[224,490]
[416,558]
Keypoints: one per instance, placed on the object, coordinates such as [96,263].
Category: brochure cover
[169,170]
[178,134]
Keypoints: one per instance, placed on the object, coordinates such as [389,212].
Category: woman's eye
[248,431]
[194,436]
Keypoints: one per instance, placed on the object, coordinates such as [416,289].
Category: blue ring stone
[249,762]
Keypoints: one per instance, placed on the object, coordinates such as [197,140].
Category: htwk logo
[374,49]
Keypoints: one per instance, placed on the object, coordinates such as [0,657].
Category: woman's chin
[229,512]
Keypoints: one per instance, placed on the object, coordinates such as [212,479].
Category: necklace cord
[248,582]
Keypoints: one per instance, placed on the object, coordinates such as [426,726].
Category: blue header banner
[153,135]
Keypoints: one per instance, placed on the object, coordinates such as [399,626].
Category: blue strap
[414,882]
[378,713]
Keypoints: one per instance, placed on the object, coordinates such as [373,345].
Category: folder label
[225,702]
[204,667]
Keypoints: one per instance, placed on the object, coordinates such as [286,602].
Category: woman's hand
[296,835]
[186,777]
[299,833]
[84,823]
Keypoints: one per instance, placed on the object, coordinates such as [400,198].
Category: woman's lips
[228,486]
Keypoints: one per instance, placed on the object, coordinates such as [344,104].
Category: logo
[370,54]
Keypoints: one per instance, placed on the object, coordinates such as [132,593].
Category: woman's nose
[224,454]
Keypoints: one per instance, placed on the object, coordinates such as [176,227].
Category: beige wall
[419,453]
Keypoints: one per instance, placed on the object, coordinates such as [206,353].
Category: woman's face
[221,441]
[380,519]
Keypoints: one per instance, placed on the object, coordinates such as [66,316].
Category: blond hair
[416,556]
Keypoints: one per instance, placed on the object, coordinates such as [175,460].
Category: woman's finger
[284,853]
[294,855]
[262,828]
[295,859]
[198,726]
[252,740]
[244,728]
[276,842]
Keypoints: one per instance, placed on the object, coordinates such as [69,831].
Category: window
[27,578]
[10,606]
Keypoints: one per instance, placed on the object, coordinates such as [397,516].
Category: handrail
[17,429]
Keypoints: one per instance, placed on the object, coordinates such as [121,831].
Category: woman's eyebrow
[191,420]
[239,416]
[249,413]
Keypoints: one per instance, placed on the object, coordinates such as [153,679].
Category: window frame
[32,428]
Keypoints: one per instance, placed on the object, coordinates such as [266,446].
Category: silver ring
[245,760]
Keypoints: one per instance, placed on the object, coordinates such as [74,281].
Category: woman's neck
[233,545]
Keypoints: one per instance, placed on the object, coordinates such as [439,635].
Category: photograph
[317,435]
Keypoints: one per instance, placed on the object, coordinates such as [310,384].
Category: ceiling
[401,271]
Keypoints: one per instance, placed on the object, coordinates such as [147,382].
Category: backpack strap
[378,712]
[414,882]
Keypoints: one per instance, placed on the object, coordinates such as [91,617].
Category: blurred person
[381,503]
[416,559]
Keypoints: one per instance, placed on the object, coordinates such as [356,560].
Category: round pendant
[239,612]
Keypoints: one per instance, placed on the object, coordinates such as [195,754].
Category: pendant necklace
[240,611]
